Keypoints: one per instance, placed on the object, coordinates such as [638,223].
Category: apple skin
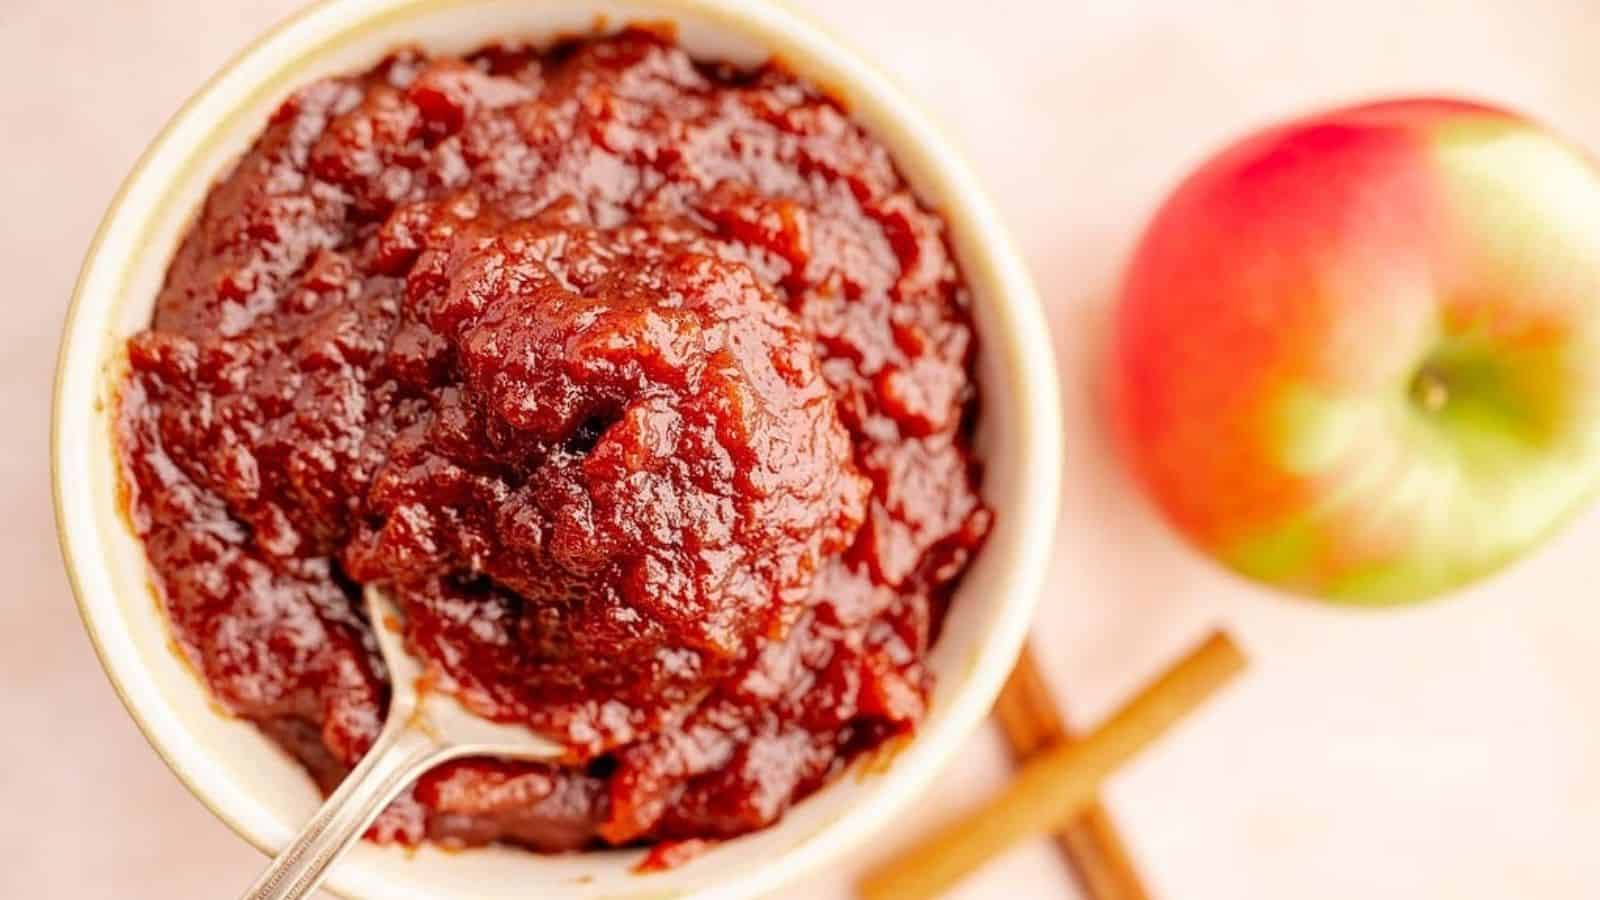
[1357,356]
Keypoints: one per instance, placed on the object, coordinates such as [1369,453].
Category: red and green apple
[1358,355]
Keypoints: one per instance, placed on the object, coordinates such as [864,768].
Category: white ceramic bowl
[256,788]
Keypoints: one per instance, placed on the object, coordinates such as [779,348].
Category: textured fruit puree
[644,384]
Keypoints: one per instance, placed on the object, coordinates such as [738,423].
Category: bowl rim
[967,207]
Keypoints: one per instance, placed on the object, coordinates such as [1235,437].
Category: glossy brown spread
[645,385]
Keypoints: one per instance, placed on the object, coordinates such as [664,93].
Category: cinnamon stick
[1056,785]
[1031,720]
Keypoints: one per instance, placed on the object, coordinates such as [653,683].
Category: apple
[1357,356]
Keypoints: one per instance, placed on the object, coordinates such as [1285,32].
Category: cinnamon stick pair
[1056,785]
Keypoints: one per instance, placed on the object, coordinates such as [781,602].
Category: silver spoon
[421,732]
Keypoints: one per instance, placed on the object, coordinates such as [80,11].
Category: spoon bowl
[422,729]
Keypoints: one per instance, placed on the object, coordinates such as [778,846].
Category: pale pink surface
[1440,752]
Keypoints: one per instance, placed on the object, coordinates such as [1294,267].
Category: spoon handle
[400,753]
